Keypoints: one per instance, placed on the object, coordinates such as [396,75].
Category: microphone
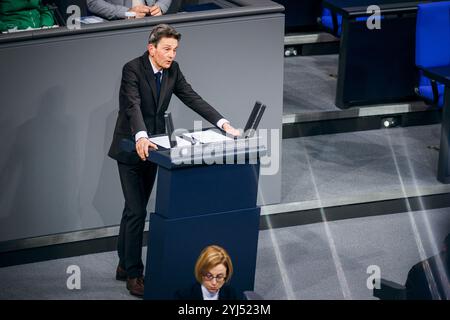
[170,129]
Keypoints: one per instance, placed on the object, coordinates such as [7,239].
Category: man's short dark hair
[163,31]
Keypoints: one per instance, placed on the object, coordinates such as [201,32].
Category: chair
[432,47]
[331,21]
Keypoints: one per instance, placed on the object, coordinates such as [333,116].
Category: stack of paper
[163,141]
[89,19]
[207,136]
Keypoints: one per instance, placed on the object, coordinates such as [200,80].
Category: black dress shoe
[121,274]
[136,286]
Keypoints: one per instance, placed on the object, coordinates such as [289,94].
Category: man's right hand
[141,11]
[142,146]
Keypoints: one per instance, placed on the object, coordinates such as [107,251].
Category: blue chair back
[432,45]
[329,24]
[327,21]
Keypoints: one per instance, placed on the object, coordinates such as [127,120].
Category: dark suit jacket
[195,293]
[418,286]
[139,109]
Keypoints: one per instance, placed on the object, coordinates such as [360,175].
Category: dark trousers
[137,184]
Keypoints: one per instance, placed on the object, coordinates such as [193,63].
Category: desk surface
[440,74]
[241,8]
[347,7]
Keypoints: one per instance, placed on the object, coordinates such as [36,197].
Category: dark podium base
[174,245]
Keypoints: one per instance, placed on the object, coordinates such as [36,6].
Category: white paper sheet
[207,136]
[163,141]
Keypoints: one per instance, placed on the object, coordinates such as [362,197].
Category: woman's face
[214,279]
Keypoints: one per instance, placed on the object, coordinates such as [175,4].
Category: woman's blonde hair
[210,257]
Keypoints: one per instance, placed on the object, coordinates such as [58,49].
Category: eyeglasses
[208,276]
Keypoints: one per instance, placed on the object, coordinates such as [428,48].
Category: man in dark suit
[146,89]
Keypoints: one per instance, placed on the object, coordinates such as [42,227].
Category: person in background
[24,14]
[213,271]
[122,9]
[429,279]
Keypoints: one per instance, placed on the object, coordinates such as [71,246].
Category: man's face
[164,52]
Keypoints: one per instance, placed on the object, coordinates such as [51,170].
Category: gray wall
[58,105]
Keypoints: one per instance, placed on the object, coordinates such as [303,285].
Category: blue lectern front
[206,195]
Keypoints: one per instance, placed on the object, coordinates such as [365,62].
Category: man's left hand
[155,11]
[230,130]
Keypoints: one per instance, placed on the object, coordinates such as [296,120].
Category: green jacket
[22,14]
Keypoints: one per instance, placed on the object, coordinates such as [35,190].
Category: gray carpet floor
[316,261]
[367,165]
[310,83]
[330,260]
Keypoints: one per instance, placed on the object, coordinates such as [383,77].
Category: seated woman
[213,272]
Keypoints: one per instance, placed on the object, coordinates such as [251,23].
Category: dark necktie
[158,83]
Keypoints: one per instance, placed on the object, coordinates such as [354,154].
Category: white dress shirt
[143,134]
[208,295]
